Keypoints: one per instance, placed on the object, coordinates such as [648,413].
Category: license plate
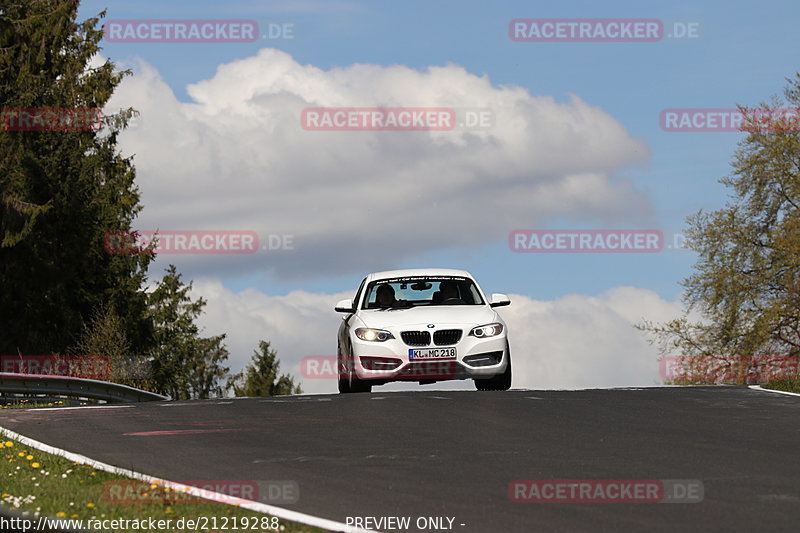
[432,353]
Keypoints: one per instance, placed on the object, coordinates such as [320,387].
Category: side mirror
[345,306]
[499,300]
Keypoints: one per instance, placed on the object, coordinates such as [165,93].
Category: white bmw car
[422,325]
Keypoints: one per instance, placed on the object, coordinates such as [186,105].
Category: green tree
[104,337]
[185,365]
[746,284]
[61,191]
[261,377]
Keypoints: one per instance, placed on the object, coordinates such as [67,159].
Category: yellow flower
[61,513]
[90,505]
[35,465]
[168,509]
[29,457]
[21,454]
[74,516]
[9,444]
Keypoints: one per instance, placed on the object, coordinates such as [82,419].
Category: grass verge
[40,484]
[788,385]
[32,404]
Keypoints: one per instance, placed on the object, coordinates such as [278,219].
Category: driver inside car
[447,291]
[384,296]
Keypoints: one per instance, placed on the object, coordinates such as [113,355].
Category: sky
[573,139]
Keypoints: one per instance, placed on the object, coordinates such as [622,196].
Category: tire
[347,379]
[500,381]
[359,385]
[342,373]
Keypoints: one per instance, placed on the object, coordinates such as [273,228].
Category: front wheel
[500,381]
[347,379]
[343,377]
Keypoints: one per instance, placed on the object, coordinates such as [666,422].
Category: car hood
[474,315]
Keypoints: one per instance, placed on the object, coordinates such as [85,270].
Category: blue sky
[744,53]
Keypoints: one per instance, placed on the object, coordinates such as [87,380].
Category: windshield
[400,293]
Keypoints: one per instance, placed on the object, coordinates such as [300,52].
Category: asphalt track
[454,453]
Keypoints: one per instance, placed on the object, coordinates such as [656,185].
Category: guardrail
[71,386]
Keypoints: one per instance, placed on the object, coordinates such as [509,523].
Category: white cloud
[572,342]
[581,342]
[236,157]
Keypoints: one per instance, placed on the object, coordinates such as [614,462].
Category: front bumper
[389,360]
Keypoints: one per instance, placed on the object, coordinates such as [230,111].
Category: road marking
[534,398]
[438,397]
[295,401]
[78,407]
[759,387]
[258,507]
[182,432]
[779,497]
[378,398]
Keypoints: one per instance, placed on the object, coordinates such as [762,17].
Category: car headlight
[487,330]
[374,335]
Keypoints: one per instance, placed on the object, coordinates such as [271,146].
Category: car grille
[416,338]
[446,336]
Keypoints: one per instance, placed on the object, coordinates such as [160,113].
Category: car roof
[418,272]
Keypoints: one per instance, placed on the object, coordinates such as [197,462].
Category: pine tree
[261,377]
[185,365]
[61,191]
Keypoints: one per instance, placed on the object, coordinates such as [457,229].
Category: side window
[358,293]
